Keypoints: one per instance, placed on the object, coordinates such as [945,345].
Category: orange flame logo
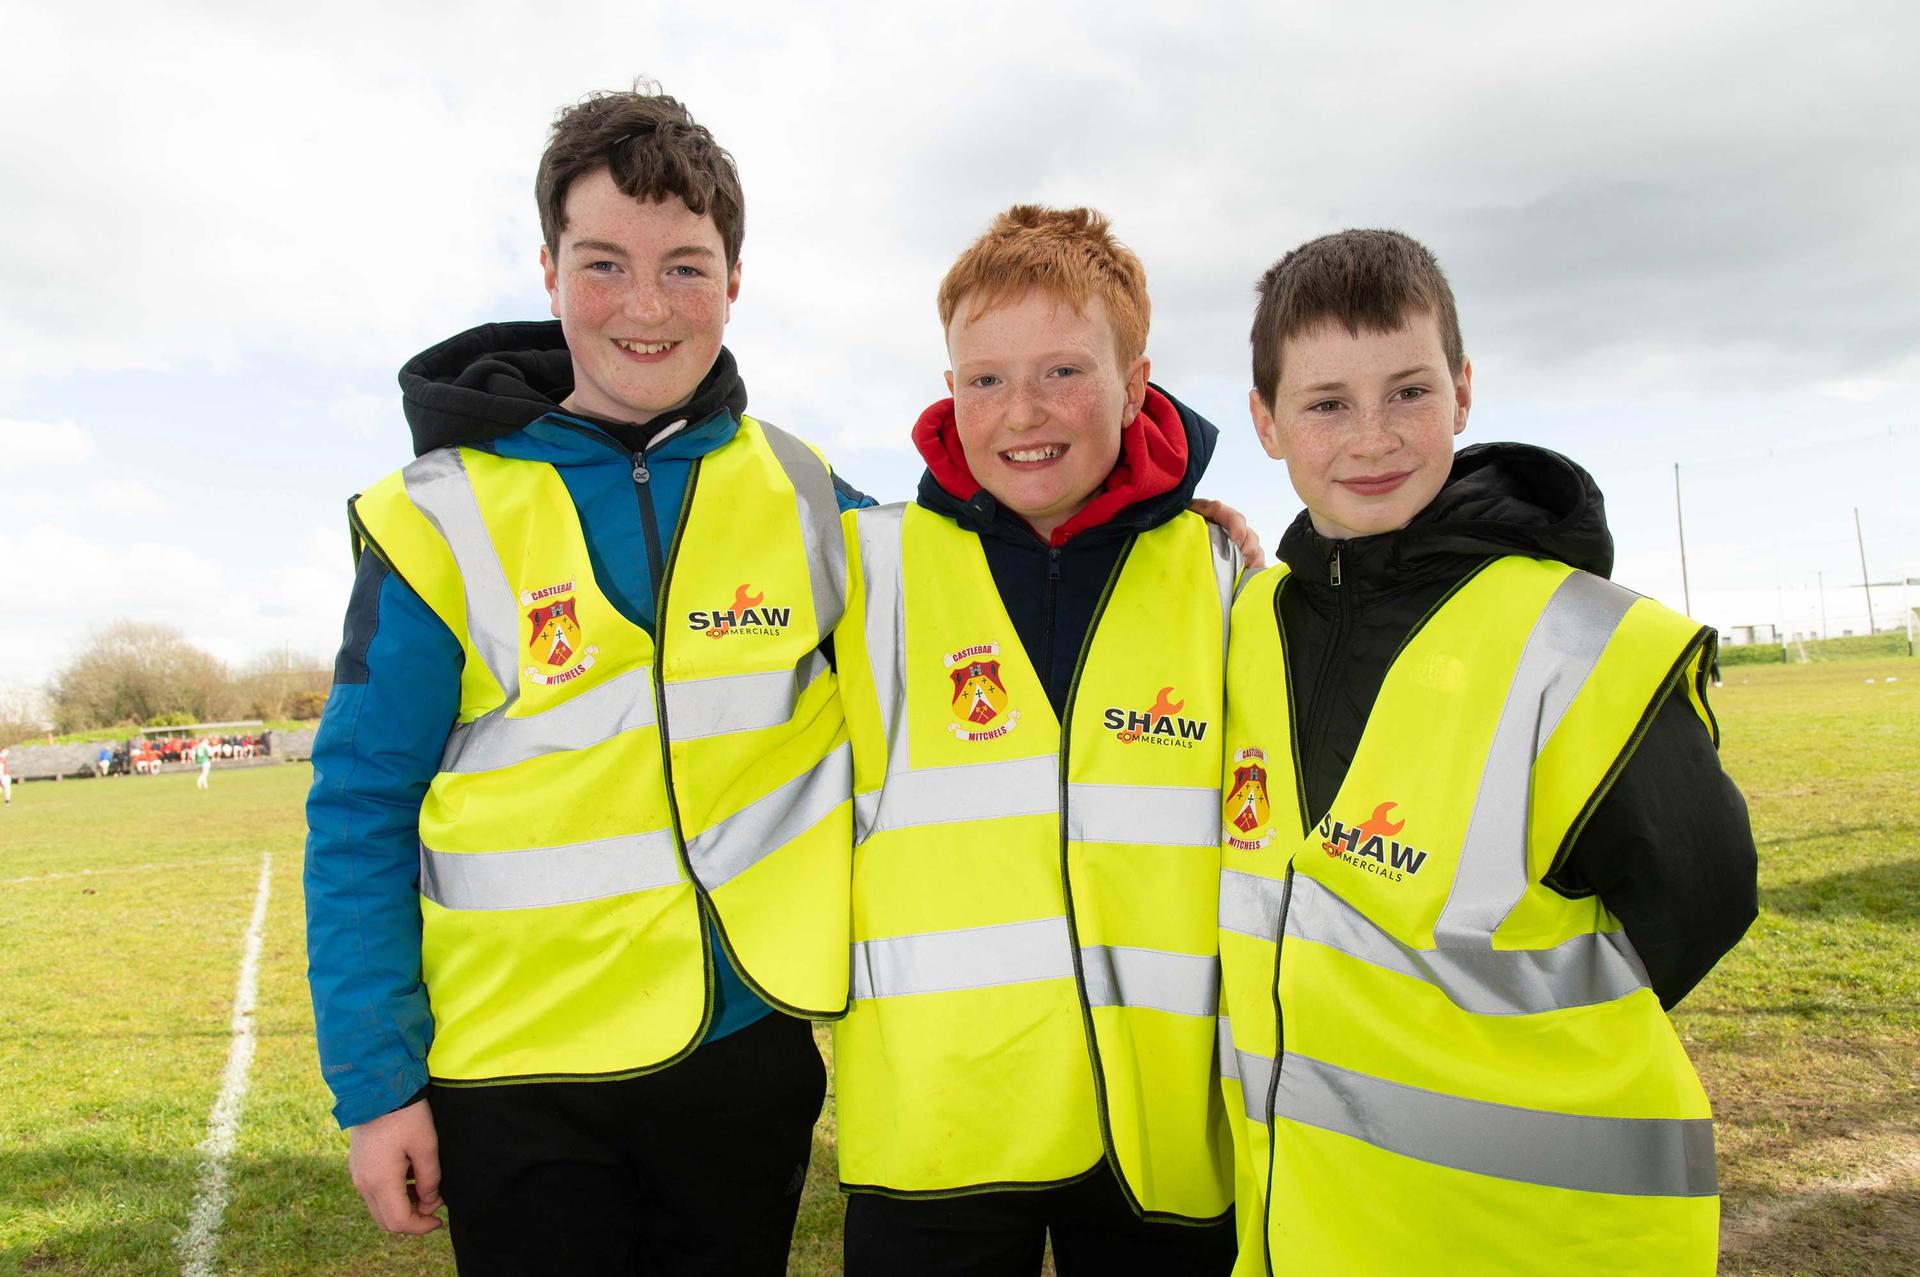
[741,602]
[1377,825]
[1164,706]
[1374,826]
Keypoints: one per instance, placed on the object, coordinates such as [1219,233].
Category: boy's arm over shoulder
[396,692]
[1670,852]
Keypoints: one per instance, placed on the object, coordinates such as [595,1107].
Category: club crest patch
[979,703]
[555,642]
[1248,815]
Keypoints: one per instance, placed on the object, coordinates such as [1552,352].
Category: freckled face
[1365,424]
[1040,399]
[642,292]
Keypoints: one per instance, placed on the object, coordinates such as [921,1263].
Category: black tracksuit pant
[695,1169]
[1004,1234]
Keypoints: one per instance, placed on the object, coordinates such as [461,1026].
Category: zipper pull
[1333,566]
[639,468]
[1053,563]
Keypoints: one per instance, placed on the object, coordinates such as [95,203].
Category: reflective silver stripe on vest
[1250,904]
[541,876]
[1640,1157]
[766,824]
[727,703]
[1560,653]
[438,485]
[972,791]
[819,524]
[1178,816]
[1583,971]
[495,739]
[1178,983]
[1226,575]
[881,578]
[970,958]
[1252,1071]
[702,707]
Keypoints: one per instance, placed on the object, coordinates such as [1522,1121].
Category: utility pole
[1686,592]
[1865,584]
[1821,578]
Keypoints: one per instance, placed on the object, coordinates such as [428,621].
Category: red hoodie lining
[1152,462]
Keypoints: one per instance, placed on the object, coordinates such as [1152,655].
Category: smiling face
[1039,400]
[1365,424]
[641,290]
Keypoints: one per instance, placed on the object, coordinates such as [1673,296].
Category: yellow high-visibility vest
[1472,1069]
[605,791]
[1035,979]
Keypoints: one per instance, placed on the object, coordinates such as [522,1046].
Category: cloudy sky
[1678,233]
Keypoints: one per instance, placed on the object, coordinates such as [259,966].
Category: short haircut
[1068,252]
[1358,279]
[653,149]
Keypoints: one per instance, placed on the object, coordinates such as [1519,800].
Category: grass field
[124,903]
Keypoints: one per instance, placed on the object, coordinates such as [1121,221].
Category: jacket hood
[1163,452]
[1499,498]
[491,381]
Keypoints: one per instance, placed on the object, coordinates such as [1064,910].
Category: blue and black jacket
[396,685]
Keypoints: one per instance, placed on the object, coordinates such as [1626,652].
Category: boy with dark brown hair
[1476,834]
[580,823]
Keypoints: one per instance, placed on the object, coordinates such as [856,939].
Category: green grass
[123,906]
[1808,1034]
[124,732]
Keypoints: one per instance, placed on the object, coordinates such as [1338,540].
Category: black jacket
[488,382]
[1668,849]
[1050,592]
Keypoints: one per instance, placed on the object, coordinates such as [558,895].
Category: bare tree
[132,672]
[272,684]
[22,715]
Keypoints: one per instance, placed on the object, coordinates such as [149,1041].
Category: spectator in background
[105,758]
[203,755]
[6,778]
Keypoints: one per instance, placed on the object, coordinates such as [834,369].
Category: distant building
[1744,635]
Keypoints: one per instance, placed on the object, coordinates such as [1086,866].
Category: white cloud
[69,584]
[100,503]
[25,443]
[126,498]
[342,186]
[368,415]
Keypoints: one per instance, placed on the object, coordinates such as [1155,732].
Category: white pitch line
[152,867]
[210,1201]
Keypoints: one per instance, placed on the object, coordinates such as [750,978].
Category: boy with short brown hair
[1031,665]
[1476,835]
[580,822]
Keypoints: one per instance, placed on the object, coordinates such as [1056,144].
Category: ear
[1462,395]
[1265,426]
[949,381]
[733,290]
[551,269]
[1137,374]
